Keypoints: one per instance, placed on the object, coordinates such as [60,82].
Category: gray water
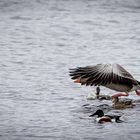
[39,41]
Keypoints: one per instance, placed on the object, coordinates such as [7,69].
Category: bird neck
[97,91]
[115,100]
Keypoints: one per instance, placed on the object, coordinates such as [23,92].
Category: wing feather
[102,74]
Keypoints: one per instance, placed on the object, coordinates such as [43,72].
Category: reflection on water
[40,41]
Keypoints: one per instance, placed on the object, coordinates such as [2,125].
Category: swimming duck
[101,97]
[112,76]
[97,95]
[94,96]
[101,118]
[122,103]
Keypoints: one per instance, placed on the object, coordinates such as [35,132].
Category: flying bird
[112,76]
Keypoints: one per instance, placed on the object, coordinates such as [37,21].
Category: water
[39,41]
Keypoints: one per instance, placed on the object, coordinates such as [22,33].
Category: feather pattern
[108,75]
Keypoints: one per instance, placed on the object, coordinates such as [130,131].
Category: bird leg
[137,92]
[97,92]
[120,94]
[115,98]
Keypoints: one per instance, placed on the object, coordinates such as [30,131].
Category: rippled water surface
[39,41]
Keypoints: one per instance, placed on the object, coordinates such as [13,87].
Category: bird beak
[92,115]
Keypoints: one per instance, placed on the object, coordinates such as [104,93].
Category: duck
[101,118]
[97,95]
[112,76]
[122,103]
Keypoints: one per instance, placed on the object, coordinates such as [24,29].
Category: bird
[97,95]
[123,103]
[101,118]
[112,76]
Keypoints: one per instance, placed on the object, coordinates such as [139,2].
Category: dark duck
[101,118]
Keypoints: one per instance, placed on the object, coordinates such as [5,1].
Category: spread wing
[102,74]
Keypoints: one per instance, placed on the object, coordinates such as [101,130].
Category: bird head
[99,113]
